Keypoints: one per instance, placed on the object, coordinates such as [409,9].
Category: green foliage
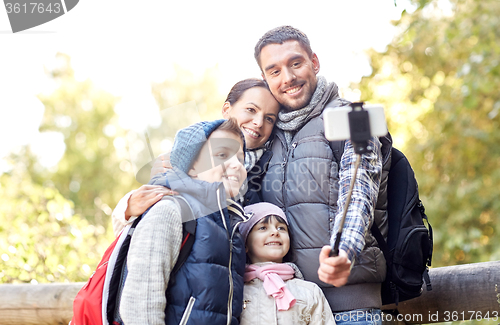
[55,223]
[438,81]
[92,174]
[42,239]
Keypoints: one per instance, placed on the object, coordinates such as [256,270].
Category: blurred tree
[185,87]
[43,240]
[183,100]
[56,221]
[94,172]
[439,82]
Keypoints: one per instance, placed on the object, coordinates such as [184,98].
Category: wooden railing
[461,292]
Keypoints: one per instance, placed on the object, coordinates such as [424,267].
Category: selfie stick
[359,127]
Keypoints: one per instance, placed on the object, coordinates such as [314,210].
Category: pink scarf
[273,276]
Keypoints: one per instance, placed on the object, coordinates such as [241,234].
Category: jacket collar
[201,196]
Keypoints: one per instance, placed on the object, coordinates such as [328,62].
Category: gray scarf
[294,120]
[252,156]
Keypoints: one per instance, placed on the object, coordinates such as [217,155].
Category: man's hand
[334,270]
[144,197]
[161,164]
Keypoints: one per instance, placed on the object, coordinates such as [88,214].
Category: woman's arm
[134,203]
[154,250]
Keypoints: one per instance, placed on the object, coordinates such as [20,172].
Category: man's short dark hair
[279,35]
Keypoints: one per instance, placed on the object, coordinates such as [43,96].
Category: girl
[275,292]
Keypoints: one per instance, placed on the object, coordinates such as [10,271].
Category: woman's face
[256,112]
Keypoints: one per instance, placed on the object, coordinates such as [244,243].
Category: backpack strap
[188,232]
[337,149]
[380,240]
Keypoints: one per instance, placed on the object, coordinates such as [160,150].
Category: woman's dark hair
[290,256]
[241,86]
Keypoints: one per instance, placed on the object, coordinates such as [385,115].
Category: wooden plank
[460,292]
[42,304]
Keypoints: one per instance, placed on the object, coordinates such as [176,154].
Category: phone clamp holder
[359,125]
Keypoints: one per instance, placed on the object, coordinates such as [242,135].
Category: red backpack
[106,283]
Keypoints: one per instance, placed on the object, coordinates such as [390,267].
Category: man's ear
[225,110]
[315,62]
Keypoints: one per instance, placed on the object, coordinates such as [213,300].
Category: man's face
[290,73]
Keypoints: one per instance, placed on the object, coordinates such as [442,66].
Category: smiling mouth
[251,133]
[232,178]
[293,90]
[274,243]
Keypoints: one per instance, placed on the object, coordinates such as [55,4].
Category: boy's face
[221,159]
[268,242]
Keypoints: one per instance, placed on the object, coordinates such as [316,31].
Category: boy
[207,160]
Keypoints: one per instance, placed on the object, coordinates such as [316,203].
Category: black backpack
[408,249]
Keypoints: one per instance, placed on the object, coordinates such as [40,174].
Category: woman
[253,106]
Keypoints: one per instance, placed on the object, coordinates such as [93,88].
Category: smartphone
[337,122]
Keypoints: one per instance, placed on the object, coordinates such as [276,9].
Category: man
[305,180]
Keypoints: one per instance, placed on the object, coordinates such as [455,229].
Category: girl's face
[256,112]
[268,241]
[221,159]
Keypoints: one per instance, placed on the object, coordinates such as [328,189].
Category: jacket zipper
[231,284]
[308,139]
[286,150]
[290,152]
[187,311]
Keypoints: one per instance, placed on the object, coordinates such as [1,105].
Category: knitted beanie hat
[189,141]
[258,212]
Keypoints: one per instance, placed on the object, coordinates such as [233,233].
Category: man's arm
[364,196]
[154,250]
[336,270]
